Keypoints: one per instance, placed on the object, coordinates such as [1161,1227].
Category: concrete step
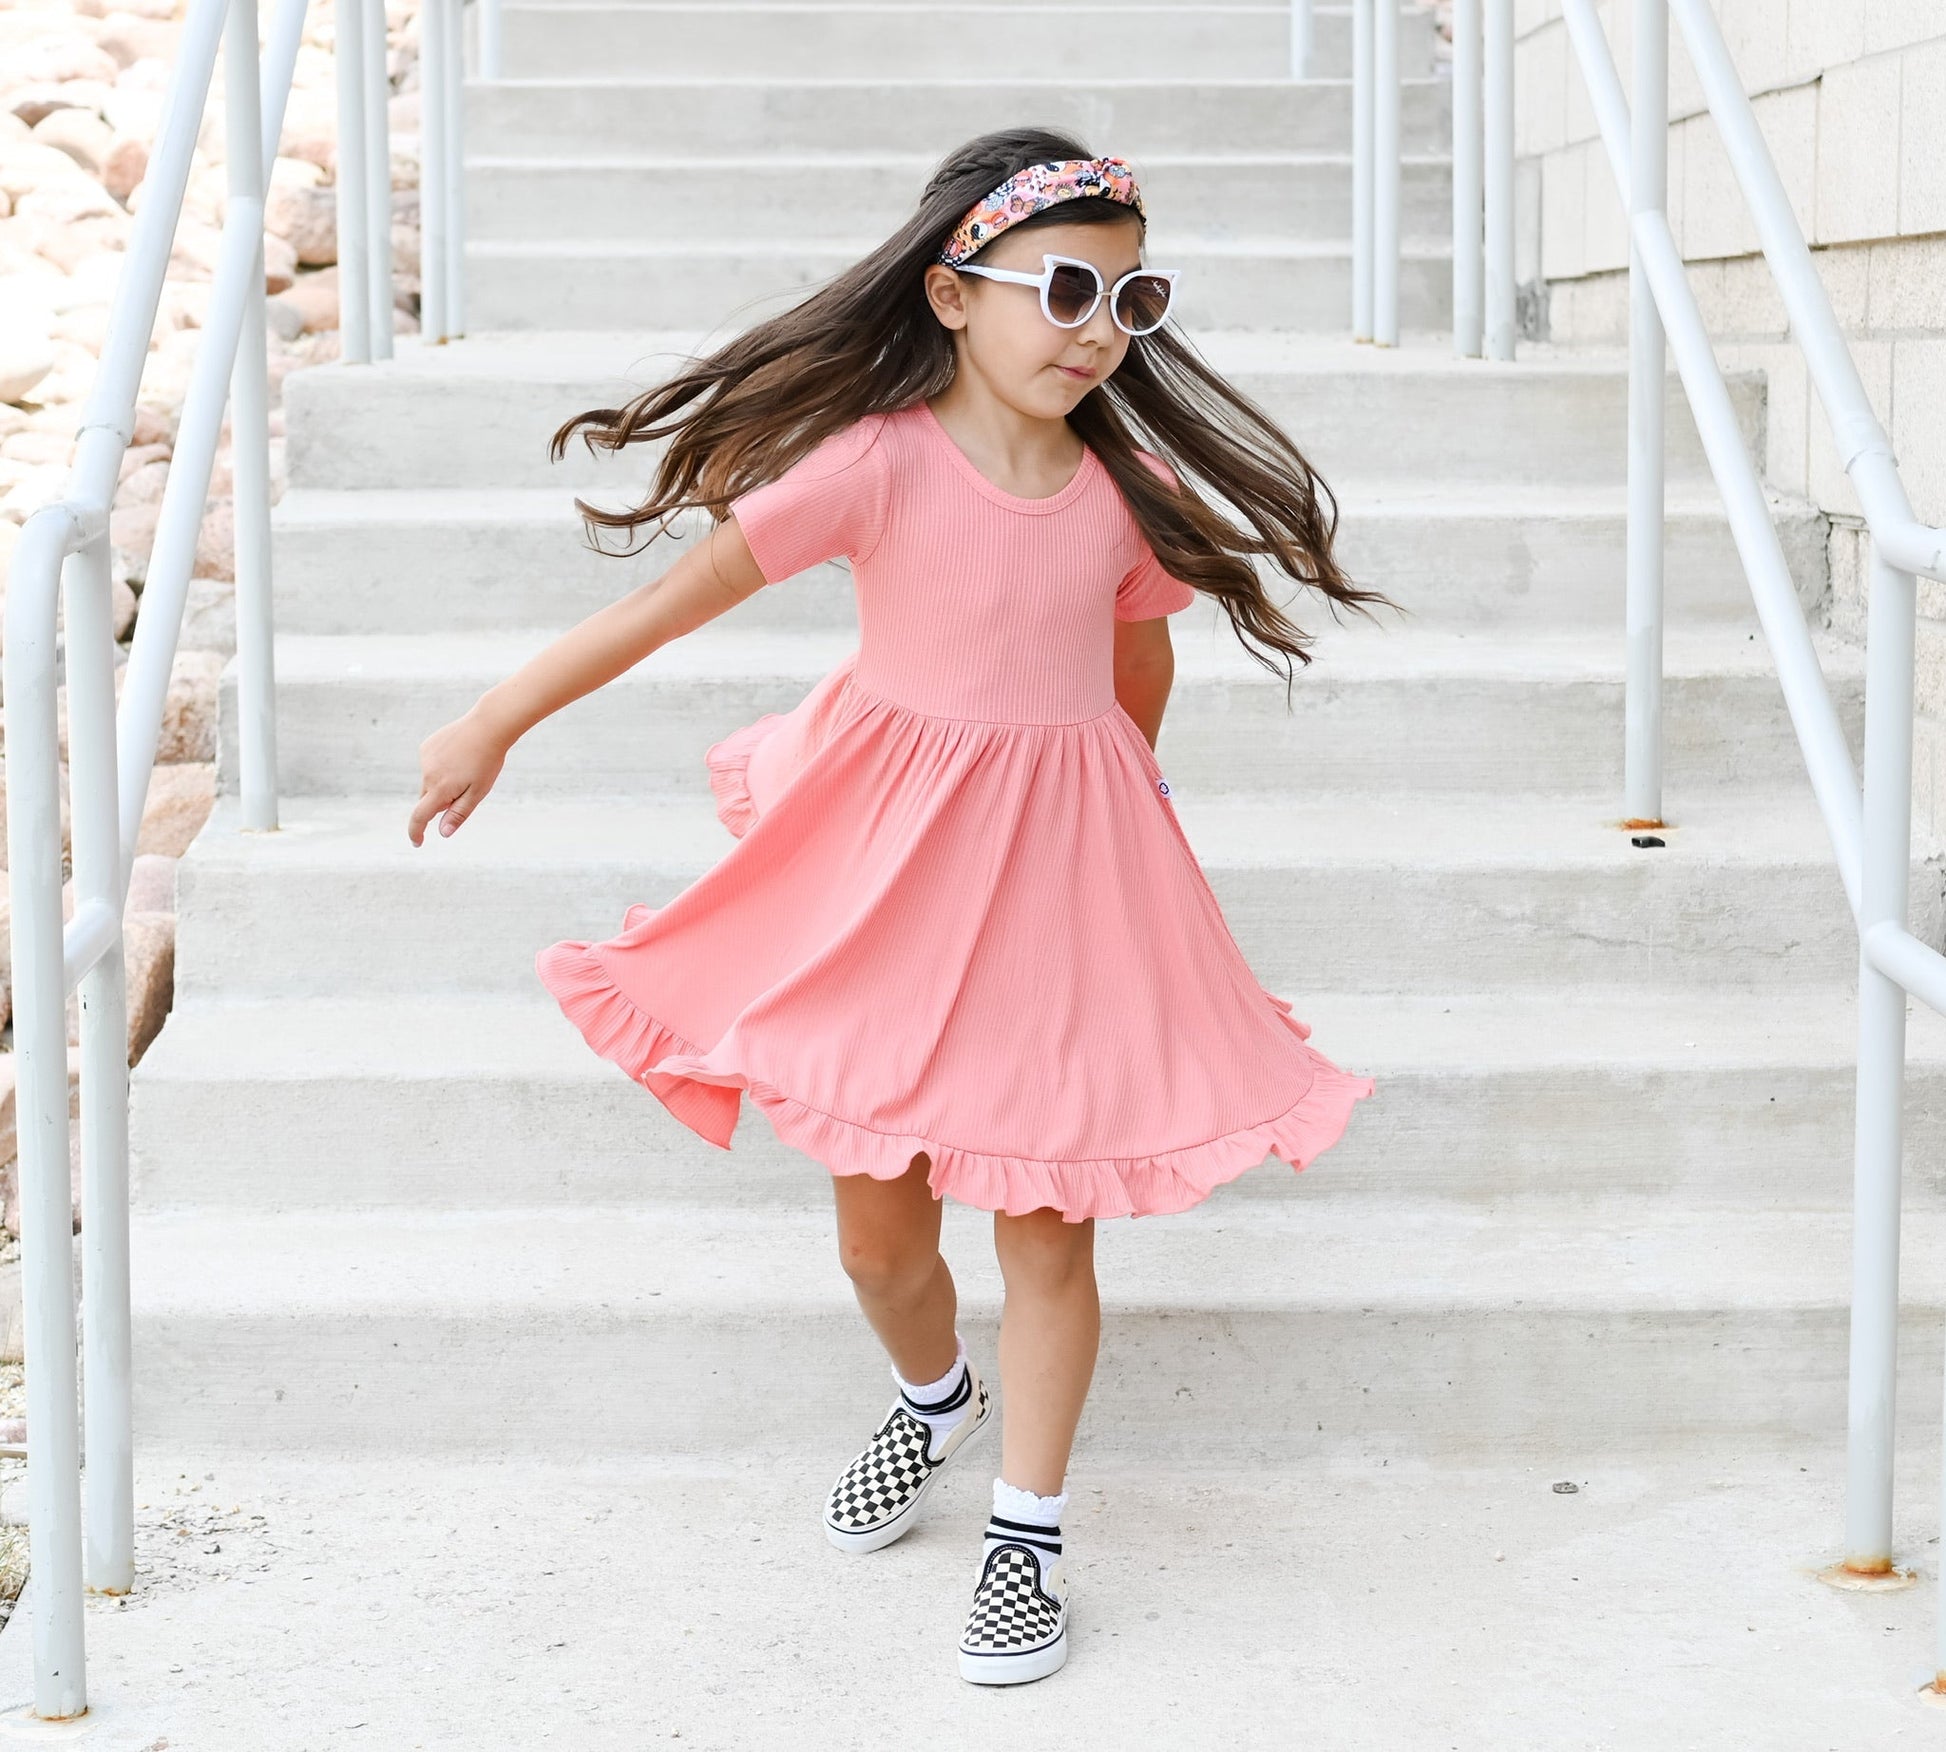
[1697,1095]
[1206,41]
[796,111]
[1397,708]
[1415,1331]
[433,559]
[1402,893]
[688,197]
[1212,1608]
[1545,422]
[607,285]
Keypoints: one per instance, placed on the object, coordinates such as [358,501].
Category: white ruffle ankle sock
[942,1405]
[1021,1516]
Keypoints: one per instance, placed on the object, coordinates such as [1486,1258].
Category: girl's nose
[1100,325]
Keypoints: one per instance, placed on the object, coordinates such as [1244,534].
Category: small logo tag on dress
[1162,785]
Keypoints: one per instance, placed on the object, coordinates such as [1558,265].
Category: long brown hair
[868,342]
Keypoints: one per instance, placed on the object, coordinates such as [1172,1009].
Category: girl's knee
[890,1247]
[1043,1249]
[886,1264]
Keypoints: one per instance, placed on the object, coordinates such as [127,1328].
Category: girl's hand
[457,766]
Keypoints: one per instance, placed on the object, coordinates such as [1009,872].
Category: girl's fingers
[452,780]
[458,810]
[432,800]
[415,824]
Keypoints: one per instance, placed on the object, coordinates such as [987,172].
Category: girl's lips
[1072,371]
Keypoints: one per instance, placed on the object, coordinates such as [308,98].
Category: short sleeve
[831,501]
[1148,591]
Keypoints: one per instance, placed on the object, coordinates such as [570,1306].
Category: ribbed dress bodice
[973,602]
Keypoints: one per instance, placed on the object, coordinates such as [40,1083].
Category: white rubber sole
[877,1538]
[1014,1669]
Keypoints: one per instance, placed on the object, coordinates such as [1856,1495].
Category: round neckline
[1077,482]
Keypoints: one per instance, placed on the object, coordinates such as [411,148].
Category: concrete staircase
[410,1258]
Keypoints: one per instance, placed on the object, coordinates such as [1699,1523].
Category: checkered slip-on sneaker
[877,1497]
[1018,1628]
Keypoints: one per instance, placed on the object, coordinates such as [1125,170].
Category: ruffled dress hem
[728,766]
[708,1102]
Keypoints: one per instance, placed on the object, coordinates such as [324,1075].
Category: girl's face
[1029,362]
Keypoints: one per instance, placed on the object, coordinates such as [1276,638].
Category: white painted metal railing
[1303,27]
[111,755]
[1870,831]
[365,171]
[1483,175]
[441,203]
[112,748]
[1469,181]
[1870,834]
[1363,168]
[1375,176]
[364,184]
[1483,179]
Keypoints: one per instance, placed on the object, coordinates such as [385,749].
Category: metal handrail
[1303,32]
[365,171]
[1375,172]
[1483,179]
[110,786]
[1821,737]
[1469,180]
[112,748]
[1870,833]
[441,192]
[1483,175]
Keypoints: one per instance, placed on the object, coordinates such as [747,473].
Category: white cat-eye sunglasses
[1071,290]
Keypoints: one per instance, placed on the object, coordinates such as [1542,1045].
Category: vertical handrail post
[378,175]
[250,450]
[354,249]
[1939,1611]
[1385,174]
[490,39]
[432,179]
[1879,1115]
[455,164]
[1647,389]
[41,1107]
[1469,263]
[109,1472]
[283,41]
[1361,169]
[1497,78]
[64,549]
[1303,25]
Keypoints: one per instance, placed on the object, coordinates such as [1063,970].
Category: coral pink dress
[961,915]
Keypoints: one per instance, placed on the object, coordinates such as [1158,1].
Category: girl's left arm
[1145,667]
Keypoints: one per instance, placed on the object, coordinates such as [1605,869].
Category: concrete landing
[311,1608]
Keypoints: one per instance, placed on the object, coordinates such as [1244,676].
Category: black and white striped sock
[1021,1517]
[941,1405]
[1045,1540]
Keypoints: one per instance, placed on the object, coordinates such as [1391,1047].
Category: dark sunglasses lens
[1071,294]
[1144,301]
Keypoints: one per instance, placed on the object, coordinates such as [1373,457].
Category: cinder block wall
[1851,96]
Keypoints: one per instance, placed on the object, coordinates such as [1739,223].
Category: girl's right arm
[460,761]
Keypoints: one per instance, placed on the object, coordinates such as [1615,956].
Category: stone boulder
[180,798]
[25,360]
[81,134]
[307,219]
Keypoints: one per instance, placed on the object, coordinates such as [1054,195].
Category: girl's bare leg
[1050,1330]
[888,1241]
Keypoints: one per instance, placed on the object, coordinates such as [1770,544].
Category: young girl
[962,946]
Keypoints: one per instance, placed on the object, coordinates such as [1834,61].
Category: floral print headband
[1040,185]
